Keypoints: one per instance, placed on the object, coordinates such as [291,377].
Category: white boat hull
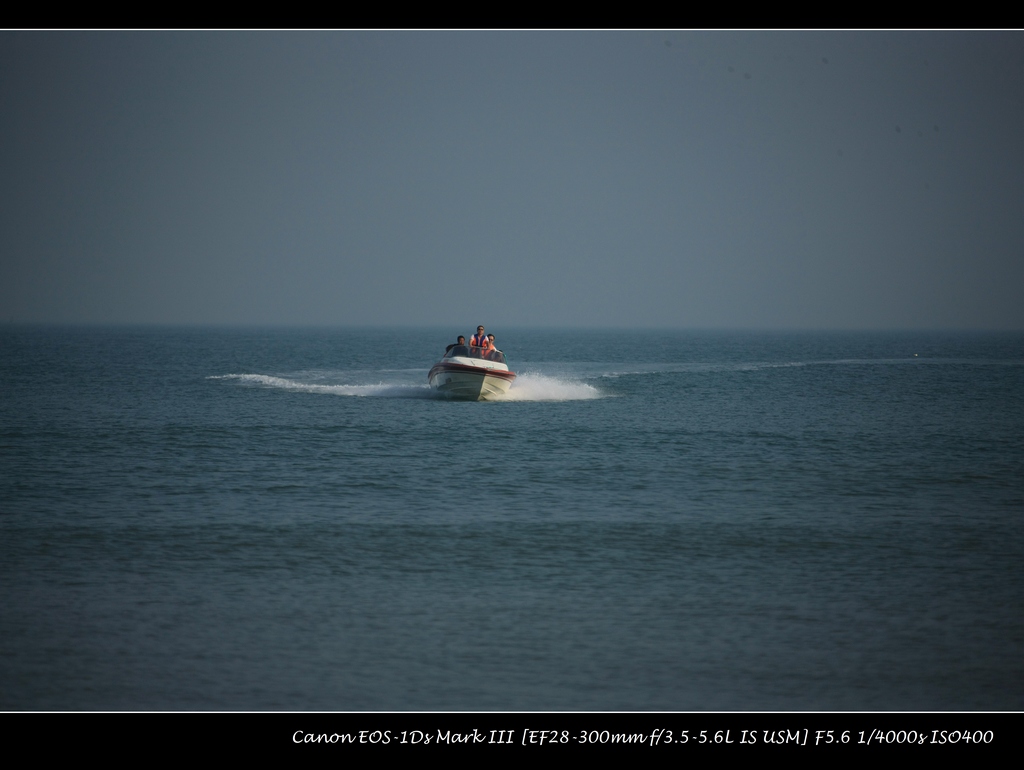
[472,383]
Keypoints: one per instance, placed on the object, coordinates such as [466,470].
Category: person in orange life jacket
[492,353]
[476,342]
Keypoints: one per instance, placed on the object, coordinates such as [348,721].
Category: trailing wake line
[528,387]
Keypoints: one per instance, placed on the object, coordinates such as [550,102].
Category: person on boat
[491,352]
[487,346]
[461,342]
[477,341]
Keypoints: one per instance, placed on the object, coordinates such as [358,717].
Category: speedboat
[468,372]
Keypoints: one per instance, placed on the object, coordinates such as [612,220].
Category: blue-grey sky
[636,179]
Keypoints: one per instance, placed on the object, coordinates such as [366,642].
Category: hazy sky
[676,179]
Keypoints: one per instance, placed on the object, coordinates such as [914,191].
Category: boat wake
[541,387]
[379,390]
[527,387]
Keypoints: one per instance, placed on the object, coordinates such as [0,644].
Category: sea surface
[239,519]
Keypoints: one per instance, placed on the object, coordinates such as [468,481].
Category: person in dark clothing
[461,341]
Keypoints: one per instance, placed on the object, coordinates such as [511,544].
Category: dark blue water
[218,519]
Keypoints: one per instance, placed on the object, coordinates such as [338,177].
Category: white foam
[380,390]
[540,387]
[527,387]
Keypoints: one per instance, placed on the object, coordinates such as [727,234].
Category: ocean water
[290,520]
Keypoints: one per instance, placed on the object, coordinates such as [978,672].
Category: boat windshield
[467,351]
